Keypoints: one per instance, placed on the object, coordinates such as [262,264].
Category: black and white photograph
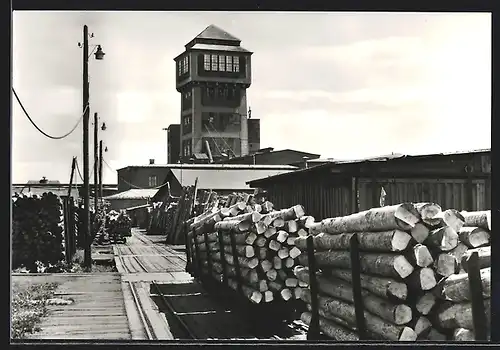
[251,176]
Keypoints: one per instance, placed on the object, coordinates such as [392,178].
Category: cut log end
[399,291]
[256,297]
[402,314]
[407,216]
[400,240]
[403,266]
[446,265]
[420,232]
[423,257]
[286,294]
[408,334]
[268,296]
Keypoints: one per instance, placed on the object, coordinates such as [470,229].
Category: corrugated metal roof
[214,166]
[227,179]
[211,47]
[134,193]
[383,158]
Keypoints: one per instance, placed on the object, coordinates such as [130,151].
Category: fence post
[476,291]
[356,287]
[188,249]
[236,264]
[209,256]
[313,331]
[222,258]
[197,250]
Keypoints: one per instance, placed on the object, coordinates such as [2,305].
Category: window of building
[222,63]
[214,63]
[186,148]
[229,63]
[206,62]
[152,181]
[187,120]
[236,64]
[179,68]
[185,64]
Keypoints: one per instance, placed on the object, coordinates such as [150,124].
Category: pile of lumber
[264,253]
[37,230]
[453,314]
[183,212]
[411,258]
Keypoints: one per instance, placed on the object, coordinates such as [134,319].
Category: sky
[343,85]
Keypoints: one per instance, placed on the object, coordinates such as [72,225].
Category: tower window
[229,63]
[236,64]
[206,62]
[179,68]
[214,62]
[185,64]
[222,63]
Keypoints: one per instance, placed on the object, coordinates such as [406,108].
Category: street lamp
[99,55]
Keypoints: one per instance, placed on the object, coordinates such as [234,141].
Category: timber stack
[252,244]
[412,270]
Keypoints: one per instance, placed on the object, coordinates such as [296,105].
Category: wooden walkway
[98,310]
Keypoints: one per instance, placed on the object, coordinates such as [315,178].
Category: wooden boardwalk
[97,312]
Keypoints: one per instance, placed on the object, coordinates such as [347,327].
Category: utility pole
[100,169]
[96,160]
[86,215]
[68,235]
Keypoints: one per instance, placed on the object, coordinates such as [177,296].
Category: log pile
[413,260]
[264,253]
[37,230]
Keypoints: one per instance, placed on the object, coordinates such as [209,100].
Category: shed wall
[331,198]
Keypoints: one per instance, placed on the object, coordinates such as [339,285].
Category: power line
[130,184]
[40,130]
[79,173]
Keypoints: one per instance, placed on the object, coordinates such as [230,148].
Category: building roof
[47,182]
[215,33]
[135,193]
[267,151]
[384,158]
[211,47]
[138,207]
[214,166]
[40,190]
[223,179]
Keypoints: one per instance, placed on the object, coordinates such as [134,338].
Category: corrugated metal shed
[459,180]
[134,194]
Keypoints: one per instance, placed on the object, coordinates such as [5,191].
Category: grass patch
[28,307]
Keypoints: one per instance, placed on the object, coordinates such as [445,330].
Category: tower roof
[215,33]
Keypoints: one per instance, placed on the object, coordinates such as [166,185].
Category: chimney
[151,161]
[305,158]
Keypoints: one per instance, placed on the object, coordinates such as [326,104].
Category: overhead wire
[40,130]
[135,186]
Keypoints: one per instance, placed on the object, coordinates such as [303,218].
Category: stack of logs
[413,262]
[264,254]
